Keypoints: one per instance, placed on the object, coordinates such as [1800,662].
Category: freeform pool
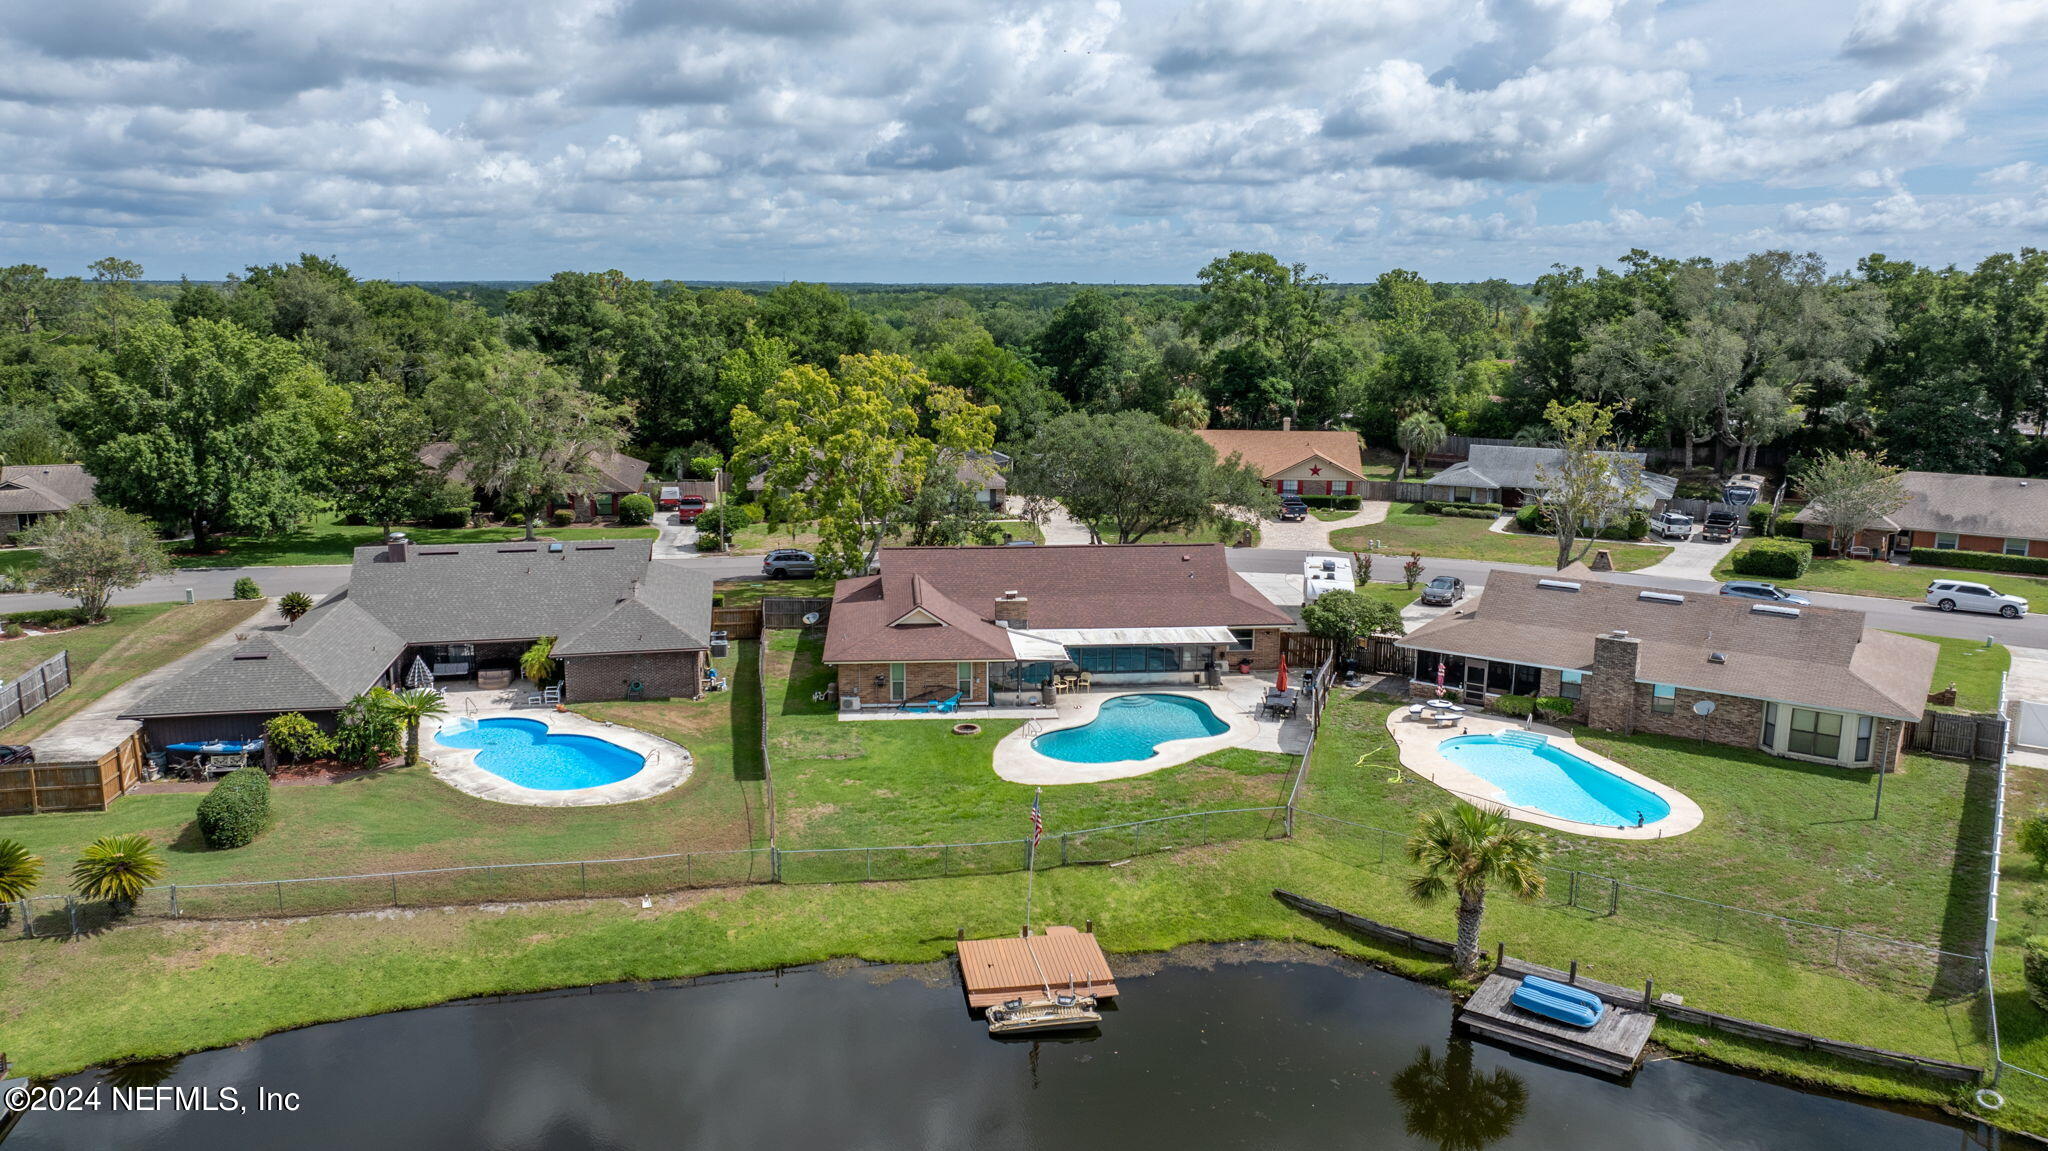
[1131,727]
[1531,773]
[524,752]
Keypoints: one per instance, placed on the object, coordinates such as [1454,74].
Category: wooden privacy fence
[737,622]
[779,612]
[1962,736]
[1405,491]
[34,687]
[29,788]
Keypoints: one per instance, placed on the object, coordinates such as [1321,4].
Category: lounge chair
[950,705]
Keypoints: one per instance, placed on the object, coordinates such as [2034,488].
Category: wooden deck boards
[999,969]
[1612,1045]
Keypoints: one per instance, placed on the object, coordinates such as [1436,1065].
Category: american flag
[1037,820]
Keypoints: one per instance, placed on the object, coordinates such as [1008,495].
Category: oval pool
[525,752]
[1531,773]
[1131,727]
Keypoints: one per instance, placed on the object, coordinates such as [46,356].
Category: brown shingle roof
[614,471]
[1079,586]
[1273,452]
[1823,657]
[1999,506]
[43,488]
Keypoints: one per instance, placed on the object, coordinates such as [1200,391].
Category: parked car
[1671,525]
[689,508]
[670,499]
[1769,592]
[1720,527]
[17,753]
[788,563]
[1293,509]
[1443,591]
[1960,595]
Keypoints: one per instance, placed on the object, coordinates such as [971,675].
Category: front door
[1475,681]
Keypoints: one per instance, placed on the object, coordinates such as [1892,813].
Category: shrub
[245,588]
[449,518]
[12,629]
[117,868]
[2033,838]
[1471,511]
[1981,561]
[1412,570]
[1760,522]
[2035,965]
[236,810]
[1516,705]
[1339,503]
[705,467]
[636,509]
[1531,518]
[1536,518]
[293,604]
[1556,705]
[1773,558]
[562,517]
[368,733]
[296,737]
[20,871]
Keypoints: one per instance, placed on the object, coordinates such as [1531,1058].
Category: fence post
[1838,947]
[394,889]
[871,863]
[774,864]
[71,905]
[690,870]
[1063,849]
[174,899]
[28,919]
[1573,900]
[583,876]
[1287,822]
[280,897]
[1614,898]
[1381,836]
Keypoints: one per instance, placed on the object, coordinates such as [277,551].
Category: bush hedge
[1336,503]
[1773,558]
[1760,521]
[562,517]
[236,810]
[1470,511]
[1981,561]
[449,518]
[1518,706]
[636,509]
[2035,966]
[1536,518]
[245,588]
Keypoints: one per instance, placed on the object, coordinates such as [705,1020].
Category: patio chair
[952,704]
[1087,681]
[1414,711]
[546,697]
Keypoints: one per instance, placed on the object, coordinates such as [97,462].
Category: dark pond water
[1227,1051]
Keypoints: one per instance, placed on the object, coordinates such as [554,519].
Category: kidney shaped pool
[525,752]
[1531,773]
[1131,727]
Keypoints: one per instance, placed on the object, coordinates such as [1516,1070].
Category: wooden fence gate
[1962,736]
[34,687]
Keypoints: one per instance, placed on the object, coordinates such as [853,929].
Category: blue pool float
[1564,991]
[1572,1010]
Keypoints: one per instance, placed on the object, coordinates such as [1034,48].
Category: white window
[2015,547]
[1340,487]
[1864,726]
[1770,727]
[1945,540]
[1569,683]
[1815,733]
[895,681]
[1242,638]
[1663,698]
[963,679]
[1290,487]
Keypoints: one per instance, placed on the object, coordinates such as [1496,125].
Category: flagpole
[1031,861]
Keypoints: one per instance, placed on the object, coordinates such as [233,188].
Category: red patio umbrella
[1281,685]
[1439,677]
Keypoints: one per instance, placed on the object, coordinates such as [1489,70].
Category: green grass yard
[402,818]
[1895,581]
[325,540]
[18,560]
[758,538]
[1408,528]
[133,640]
[1976,671]
[2022,914]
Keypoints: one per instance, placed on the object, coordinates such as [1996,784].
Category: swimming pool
[1531,773]
[525,752]
[1131,727]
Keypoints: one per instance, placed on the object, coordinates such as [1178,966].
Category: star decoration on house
[1315,469]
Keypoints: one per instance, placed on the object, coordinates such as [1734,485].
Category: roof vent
[252,655]
[1558,584]
[1618,633]
[503,551]
[555,547]
[440,552]
[1661,596]
[1774,609]
[592,547]
[1717,657]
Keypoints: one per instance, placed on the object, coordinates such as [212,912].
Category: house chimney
[1610,689]
[1011,608]
[1286,423]
[395,548]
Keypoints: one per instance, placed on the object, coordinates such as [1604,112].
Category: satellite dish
[1703,708]
[810,617]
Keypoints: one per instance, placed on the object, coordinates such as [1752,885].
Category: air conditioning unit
[849,703]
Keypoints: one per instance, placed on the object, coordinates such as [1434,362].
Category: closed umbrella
[1281,681]
[1439,677]
[418,675]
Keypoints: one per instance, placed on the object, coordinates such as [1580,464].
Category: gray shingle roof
[1503,466]
[670,610]
[1998,506]
[42,488]
[336,652]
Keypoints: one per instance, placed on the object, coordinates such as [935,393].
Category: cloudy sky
[1102,140]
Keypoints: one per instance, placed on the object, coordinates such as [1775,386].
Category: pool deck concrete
[668,765]
[1237,704]
[1417,740]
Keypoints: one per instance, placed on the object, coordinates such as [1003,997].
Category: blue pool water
[1131,727]
[522,751]
[1554,781]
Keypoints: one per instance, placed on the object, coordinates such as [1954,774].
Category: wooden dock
[996,970]
[1611,1046]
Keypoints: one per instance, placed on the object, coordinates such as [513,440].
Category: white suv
[1956,595]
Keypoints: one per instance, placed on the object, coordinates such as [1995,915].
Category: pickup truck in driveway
[1719,527]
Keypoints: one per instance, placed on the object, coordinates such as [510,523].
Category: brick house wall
[921,681]
[1267,643]
[661,675]
[1980,543]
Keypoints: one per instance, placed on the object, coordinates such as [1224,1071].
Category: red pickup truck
[689,508]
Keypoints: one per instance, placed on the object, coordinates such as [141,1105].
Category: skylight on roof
[1661,596]
[1558,584]
[1774,609]
[502,551]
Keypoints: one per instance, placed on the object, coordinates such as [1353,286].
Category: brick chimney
[1011,609]
[396,547]
[1610,689]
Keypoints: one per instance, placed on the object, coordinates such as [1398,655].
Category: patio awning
[1032,647]
[1136,636]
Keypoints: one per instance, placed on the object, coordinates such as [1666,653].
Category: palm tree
[19,874]
[1418,435]
[1463,849]
[117,868]
[537,663]
[291,605]
[411,706]
[1446,1103]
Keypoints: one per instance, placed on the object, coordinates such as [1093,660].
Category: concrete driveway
[1313,534]
[1691,558]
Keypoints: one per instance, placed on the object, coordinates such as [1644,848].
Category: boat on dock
[1060,1013]
[1535,1013]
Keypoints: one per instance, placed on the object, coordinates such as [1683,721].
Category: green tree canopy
[1127,475]
[91,552]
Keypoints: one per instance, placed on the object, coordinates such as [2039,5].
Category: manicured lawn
[1398,594]
[136,638]
[326,541]
[2022,914]
[741,592]
[1781,836]
[757,538]
[18,559]
[1410,529]
[402,818]
[1976,671]
[1896,581]
[1332,515]
[891,782]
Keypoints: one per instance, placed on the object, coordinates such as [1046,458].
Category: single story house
[2002,514]
[983,621]
[1295,463]
[1508,475]
[28,492]
[615,475]
[1807,683]
[625,627]
[984,472]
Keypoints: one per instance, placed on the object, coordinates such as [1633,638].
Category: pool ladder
[1527,739]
